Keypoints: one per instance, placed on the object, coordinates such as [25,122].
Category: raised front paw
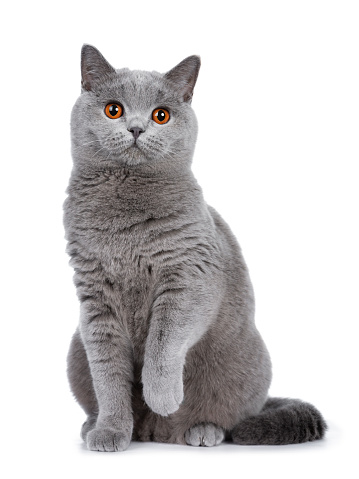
[163,393]
[107,440]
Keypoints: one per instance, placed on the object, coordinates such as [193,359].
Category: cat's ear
[94,67]
[184,76]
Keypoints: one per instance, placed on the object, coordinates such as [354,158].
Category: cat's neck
[159,172]
[132,196]
[162,168]
[139,184]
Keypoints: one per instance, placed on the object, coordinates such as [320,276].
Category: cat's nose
[136,132]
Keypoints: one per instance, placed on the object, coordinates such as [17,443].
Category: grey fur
[167,348]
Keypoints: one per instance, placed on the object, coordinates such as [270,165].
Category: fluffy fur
[166,349]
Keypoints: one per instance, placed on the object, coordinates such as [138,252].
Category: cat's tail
[281,421]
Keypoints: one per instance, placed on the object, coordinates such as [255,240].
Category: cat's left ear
[184,76]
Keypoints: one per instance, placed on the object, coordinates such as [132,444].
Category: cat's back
[238,286]
[230,248]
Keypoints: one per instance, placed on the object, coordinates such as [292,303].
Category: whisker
[98,151]
[85,144]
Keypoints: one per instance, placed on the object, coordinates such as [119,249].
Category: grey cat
[167,348]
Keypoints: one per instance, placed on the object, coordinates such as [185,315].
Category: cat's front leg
[162,382]
[180,316]
[109,354]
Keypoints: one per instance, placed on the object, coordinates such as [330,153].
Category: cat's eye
[113,110]
[161,116]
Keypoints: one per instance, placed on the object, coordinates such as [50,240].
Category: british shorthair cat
[166,349]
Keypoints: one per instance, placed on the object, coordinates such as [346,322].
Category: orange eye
[161,116]
[113,110]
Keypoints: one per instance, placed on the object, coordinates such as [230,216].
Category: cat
[166,349]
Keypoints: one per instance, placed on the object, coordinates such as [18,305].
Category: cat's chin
[133,156]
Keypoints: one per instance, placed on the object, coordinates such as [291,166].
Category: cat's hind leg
[80,379]
[205,434]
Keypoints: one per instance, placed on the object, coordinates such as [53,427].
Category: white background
[277,103]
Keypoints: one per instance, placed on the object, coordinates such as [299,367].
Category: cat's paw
[163,400]
[88,426]
[163,403]
[107,440]
[206,434]
[163,394]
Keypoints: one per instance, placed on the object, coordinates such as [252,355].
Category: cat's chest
[136,231]
[129,222]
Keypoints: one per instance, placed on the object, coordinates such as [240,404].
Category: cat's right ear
[94,67]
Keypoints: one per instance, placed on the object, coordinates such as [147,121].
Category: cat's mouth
[135,147]
[138,147]
[139,150]
[134,154]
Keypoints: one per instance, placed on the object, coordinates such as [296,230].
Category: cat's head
[133,118]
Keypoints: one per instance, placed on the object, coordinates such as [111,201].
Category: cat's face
[131,118]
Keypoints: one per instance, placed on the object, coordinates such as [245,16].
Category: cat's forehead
[138,89]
